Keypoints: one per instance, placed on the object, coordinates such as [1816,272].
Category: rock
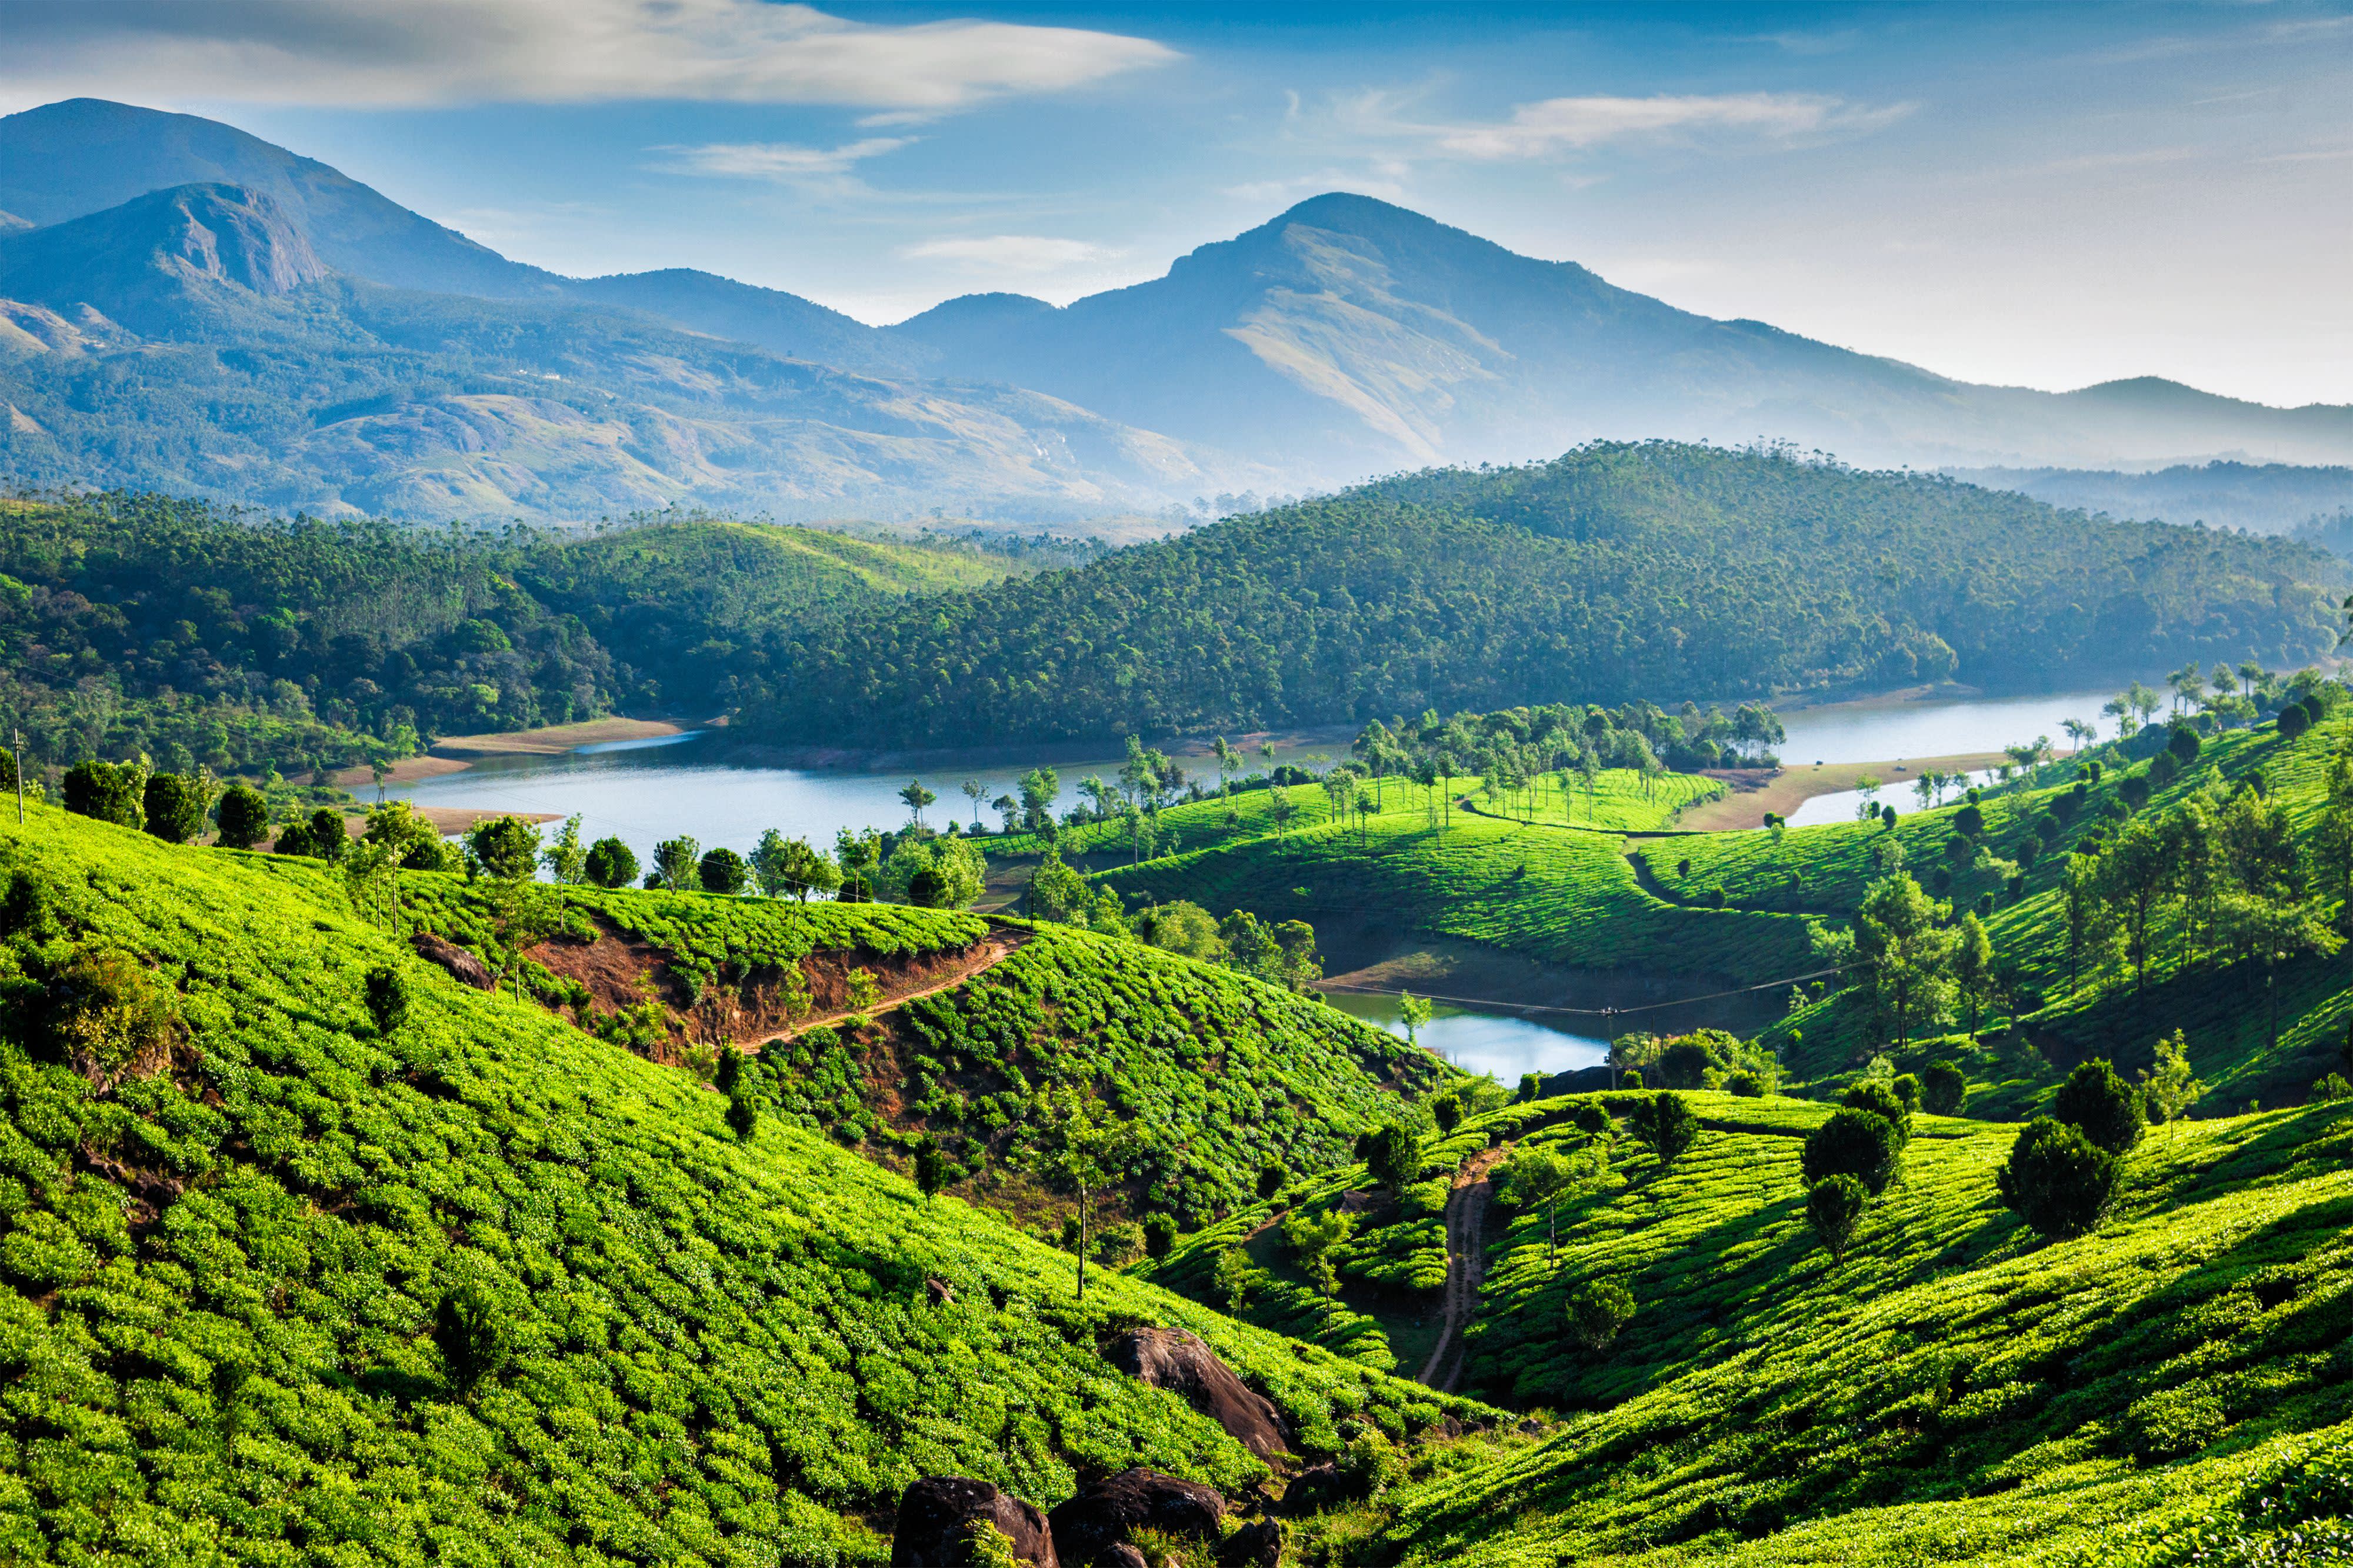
[943,1293]
[936,1516]
[1258,1544]
[1100,1517]
[463,967]
[1316,1487]
[1123,1556]
[1180,1361]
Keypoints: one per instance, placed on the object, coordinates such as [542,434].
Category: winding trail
[1001,944]
[1466,1266]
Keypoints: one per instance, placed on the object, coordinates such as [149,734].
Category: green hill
[277,1286]
[1460,588]
[1958,1389]
[138,623]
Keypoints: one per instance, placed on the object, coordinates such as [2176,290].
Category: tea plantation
[283,1285]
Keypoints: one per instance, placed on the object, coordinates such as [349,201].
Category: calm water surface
[642,792]
[1502,1045]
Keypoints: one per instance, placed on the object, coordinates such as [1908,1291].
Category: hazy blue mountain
[2268,498]
[192,340]
[1351,334]
[84,155]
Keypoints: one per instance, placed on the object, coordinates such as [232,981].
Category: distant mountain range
[2269,498]
[186,305]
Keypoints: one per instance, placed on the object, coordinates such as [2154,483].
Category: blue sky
[2044,196]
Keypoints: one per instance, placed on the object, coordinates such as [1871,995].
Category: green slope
[1617,571]
[1957,1391]
[228,1233]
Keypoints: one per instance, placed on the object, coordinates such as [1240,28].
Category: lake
[642,792]
[1500,1043]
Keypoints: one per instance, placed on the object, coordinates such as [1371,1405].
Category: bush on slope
[219,1282]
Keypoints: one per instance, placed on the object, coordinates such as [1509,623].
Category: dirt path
[986,954]
[1466,1265]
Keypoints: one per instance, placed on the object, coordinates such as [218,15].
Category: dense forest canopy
[1618,571]
[135,623]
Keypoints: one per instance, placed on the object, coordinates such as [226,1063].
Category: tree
[244,816]
[1896,930]
[1664,1125]
[723,870]
[1880,1100]
[1041,787]
[1078,1152]
[2099,1104]
[930,1168]
[1272,1178]
[1056,892]
[917,797]
[1944,1088]
[1446,1109]
[1313,1239]
[2080,733]
[567,861]
[2057,1180]
[1393,1156]
[1973,966]
[503,848]
[975,792]
[1539,1179]
[1230,1278]
[611,863]
[792,866]
[2294,721]
[1413,1012]
[1598,1312]
[1159,1235]
[174,807]
[677,864]
[325,839]
[2168,1087]
[1855,1144]
[2136,883]
[110,792]
[2090,928]
[1834,1208]
[386,992]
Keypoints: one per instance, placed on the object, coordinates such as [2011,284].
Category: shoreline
[456,753]
[1743,805]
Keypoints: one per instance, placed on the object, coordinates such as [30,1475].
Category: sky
[2046,195]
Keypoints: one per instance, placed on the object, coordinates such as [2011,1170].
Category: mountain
[1619,571]
[2268,498]
[264,376]
[1350,335]
[71,159]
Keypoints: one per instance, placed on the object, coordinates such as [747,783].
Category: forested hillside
[132,623]
[1618,572]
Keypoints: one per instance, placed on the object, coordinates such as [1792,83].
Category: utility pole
[17,738]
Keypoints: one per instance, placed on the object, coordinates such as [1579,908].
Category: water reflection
[1500,1043]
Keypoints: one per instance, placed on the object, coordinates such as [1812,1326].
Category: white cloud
[1575,124]
[347,53]
[1011,252]
[785,162]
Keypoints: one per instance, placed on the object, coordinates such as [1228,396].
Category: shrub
[2174,1422]
[1531,1087]
[611,863]
[1159,1235]
[2057,1180]
[1944,1088]
[1880,1100]
[472,1334]
[1746,1085]
[1270,1178]
[722,872]
[1447,1110]
[109,1015]
[1835,1207]
[386,992]
[110,792]
[1906,1089]
[1598,1312]
[1392,1156]
[2182,745]
[2293,720]
[1663,1124]
[930,1168]
[244,816]
[2329,1089]
[1685,1064]
[174,807]
[2135,789]
[1855,1144]
[1590,1117]
[2101,1104]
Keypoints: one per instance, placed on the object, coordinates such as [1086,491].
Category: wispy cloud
[348,53]
[1575,124]
[1012,252]
[786,162]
